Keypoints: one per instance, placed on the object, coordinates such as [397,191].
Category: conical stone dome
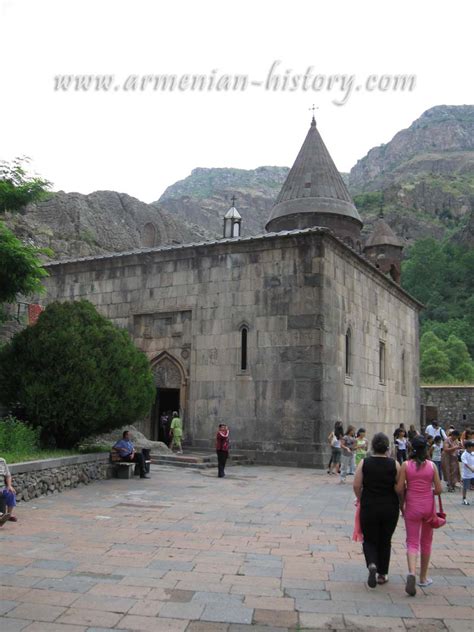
[314,194]
[384,249]
[383,235]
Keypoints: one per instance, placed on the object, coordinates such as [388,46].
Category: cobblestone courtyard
[263,549]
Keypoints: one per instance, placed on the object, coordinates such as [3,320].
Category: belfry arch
[171,391]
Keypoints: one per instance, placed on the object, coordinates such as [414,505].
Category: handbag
[438,518]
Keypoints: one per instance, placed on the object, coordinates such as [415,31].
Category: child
[435,454]
[467,460]
[8,495]
[336,451]
[401,445]
[347,453]
[362,446]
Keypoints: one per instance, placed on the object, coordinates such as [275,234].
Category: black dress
[379,510]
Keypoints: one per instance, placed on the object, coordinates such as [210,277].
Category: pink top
[419,483]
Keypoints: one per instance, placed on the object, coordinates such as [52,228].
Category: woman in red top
[222,448]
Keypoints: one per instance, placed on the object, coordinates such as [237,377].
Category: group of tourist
[347,450]
[405,483]
[445,448]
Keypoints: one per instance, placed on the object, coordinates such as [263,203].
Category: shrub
[17,436]
[74,374]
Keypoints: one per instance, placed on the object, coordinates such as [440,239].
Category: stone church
[278,335]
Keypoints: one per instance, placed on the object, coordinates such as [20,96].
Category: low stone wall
[32,479]
[449,404]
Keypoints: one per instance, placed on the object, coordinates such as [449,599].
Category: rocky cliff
[424,176]
[440,142]
[203,197]
[75,225]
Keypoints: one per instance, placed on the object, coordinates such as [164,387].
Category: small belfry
[232,221]
[384,249]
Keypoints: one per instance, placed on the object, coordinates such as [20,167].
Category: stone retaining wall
[32,479]
[450,404]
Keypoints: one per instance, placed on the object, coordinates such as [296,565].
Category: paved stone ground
[265,549]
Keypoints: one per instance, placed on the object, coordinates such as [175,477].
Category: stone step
[196,461]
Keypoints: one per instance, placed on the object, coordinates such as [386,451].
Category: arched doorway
[170,382]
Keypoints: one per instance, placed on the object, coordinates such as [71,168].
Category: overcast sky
[140,141]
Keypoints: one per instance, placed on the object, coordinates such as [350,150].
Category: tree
[430,339]
[423,271]
[434,366]
[445,361]
[441,275]
[21,271]
[17,188]
[74,373]
[461,366]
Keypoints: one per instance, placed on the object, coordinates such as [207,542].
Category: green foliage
[17,436]
[445,361]
[460,327]
[434,366]
[33,454]
[441,275]
[21,271]
[74,374]
[20,268]
[460,363]
[17,188]
[369,201]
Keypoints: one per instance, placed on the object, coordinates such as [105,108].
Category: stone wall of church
[378,387]
[186,307]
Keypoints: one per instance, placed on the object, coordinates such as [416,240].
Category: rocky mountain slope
[76,225]
[423,178]
[203,198]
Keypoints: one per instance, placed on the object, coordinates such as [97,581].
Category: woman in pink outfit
[418,480]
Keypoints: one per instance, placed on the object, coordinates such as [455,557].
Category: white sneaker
[465,501]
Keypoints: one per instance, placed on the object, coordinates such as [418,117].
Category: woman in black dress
[374,486]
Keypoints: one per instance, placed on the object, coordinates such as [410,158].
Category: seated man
[127,453]
[7,496]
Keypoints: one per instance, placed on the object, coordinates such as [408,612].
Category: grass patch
[15,456]
[35,455]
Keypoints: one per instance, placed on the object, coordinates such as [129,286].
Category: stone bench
[125,469]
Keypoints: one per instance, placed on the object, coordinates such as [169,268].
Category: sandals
[372,581]
[410,586]
[428,581]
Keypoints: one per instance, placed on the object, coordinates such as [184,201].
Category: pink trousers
[419,532]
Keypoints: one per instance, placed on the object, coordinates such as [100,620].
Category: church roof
[314,184]
[231,240]
[232,213]
[382,235]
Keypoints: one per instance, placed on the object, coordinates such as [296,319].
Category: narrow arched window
[403,371]
[348,353]
[243,348]
[382,375]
